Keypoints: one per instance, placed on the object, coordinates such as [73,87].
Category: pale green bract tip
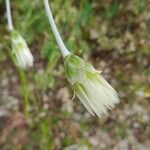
[20,49]
[96,94]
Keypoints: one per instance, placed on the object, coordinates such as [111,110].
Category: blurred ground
[114,36]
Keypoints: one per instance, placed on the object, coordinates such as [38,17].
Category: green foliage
[67,141]
[44,81]
[139,6]
[111,10]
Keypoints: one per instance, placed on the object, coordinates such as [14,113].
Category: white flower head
[96,94]
[21,50]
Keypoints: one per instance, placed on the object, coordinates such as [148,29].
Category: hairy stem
[59,40]
[8,14]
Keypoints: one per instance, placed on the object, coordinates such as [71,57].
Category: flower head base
[21,50]
[92,89]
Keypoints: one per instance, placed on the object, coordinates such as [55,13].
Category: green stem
[24,91]
[24,87]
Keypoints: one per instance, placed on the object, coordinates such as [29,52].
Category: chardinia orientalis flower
[21,50]
[91,88]
[96,94]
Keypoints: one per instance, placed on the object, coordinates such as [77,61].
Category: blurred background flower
[20,49]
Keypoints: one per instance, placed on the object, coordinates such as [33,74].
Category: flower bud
[21,50]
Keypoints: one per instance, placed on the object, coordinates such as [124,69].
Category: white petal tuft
[21,50]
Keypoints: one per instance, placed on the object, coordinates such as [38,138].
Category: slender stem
[58,38]
[25,92]
[9,17]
